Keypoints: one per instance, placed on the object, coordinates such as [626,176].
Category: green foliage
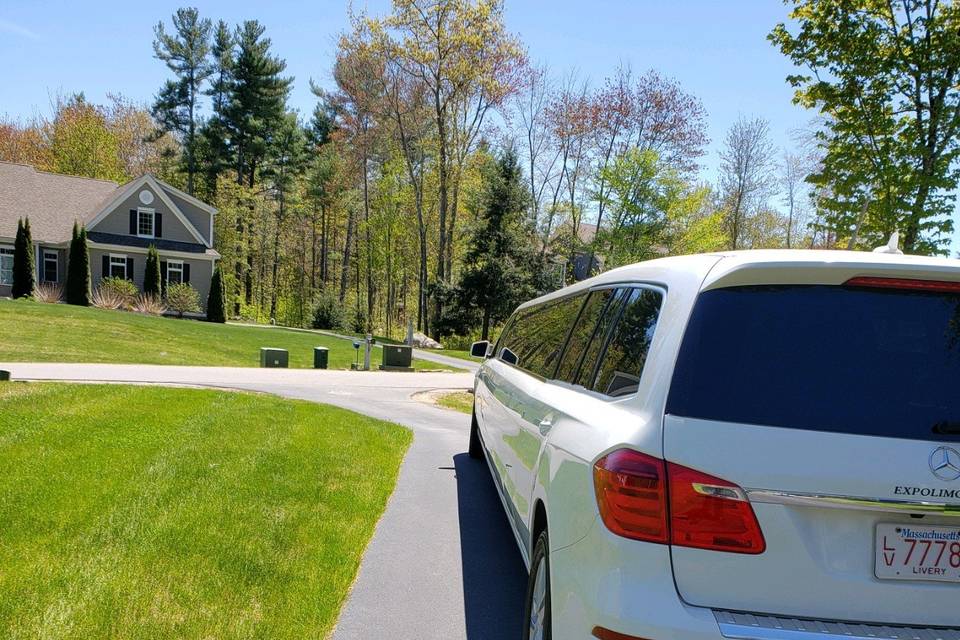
[185,54]
[24,271]
[183,298]
[78,268]
[883,75]
[216,299]
[120,289]
[82,143]
[359,321]
[328,312]
[151,273]
[257,100]
[501,263]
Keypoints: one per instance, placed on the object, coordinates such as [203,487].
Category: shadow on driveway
[494,578]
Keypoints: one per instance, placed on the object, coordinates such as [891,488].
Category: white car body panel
[822,568]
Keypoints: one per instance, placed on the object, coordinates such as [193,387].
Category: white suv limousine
[739,445]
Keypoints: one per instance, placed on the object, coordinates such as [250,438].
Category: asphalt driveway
[442,562]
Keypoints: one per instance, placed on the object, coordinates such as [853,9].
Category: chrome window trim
[858,503]
[750,626]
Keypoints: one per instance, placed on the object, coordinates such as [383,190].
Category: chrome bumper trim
[765,496]
[748,626]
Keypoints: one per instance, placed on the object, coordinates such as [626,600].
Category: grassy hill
[37,332]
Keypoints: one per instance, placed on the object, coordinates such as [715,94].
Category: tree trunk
[345,268]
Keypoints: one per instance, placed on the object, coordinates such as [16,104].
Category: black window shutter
[158,225]
[106,267]
[133,222]
[186,273]
[130,269]
[163,277]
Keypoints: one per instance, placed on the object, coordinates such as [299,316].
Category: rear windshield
[825,358]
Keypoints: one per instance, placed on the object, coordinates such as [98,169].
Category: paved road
[442,562]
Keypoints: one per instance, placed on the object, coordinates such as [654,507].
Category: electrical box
[397,357]
[272,358]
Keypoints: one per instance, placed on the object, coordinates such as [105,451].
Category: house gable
[146,194]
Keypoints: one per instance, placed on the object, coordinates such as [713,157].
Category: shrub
[183,298]
[149,304]
[78,268]
[120,289]
[328,313]
[217,300]
[48,292]
[106,299]
[151,273]
[24,273]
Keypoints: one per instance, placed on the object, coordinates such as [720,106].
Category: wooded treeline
[442,165]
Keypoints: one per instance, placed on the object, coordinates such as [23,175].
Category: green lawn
[148,512]
[461,401]
[36,332]
[456,353]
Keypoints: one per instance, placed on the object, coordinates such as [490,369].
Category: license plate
[908,552]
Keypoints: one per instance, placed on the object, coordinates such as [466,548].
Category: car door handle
[545,425]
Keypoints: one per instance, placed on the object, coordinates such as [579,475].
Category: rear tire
[476,446]
[537,622]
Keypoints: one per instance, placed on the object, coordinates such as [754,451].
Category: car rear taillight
[644,498]
[710,513]
[936,286]
[632,495]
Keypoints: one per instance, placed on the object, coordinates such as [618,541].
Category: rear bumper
[591,587]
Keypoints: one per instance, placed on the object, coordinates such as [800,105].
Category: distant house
[122,222]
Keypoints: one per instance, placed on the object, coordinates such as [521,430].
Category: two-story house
[122,222]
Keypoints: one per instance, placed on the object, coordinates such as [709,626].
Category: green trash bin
[4,375]
[321,357]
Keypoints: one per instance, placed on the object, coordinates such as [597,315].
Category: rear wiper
[947,427]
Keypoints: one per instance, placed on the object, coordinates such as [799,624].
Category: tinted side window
[549,326]
[626,352]
[534,338]
[581,333]
[588,335]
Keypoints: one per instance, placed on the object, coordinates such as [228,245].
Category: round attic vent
[146,197]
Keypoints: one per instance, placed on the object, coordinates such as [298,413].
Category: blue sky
[716,50]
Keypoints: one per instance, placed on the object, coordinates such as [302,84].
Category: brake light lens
[709,513]
[645,498]
[941,286]
[632,495]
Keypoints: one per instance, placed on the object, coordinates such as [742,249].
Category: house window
[118,266]
[6,265]
[50,262]
[145,222]
[175,272]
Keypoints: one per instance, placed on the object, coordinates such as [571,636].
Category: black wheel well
[539,523]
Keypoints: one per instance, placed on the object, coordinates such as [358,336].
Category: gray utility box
[321,357]
[397,357]
[274,358]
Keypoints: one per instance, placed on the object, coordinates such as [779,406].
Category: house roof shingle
[52,201]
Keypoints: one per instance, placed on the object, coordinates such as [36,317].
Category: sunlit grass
[147,512]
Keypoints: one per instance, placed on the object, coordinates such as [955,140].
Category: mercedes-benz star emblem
[945,463]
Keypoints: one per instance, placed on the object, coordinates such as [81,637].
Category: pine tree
[78,268]
[185,53]
[500,265]
[258,98]
[151,273]
[216,300]
[24,272]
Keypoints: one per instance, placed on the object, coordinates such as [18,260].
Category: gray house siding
[197,216]
[201,270]
[118,221]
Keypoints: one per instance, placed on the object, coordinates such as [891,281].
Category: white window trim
[56,261]
[153,222]
[175,265]
[10,249]
[118,256]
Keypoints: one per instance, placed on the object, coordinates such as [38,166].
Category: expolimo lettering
[927,492]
